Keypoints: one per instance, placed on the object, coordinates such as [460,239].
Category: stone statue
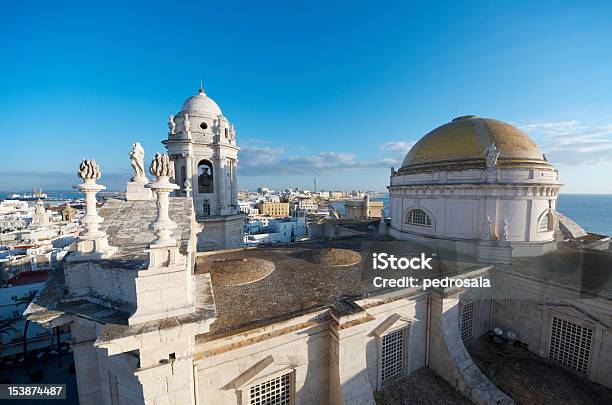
[89,170]
[186,123]
[491,154]
[137,160]
[487,229]
[544,157]
[503,233]
[171,125]
[392,171]
[219,121]
[161,166]
[187,184]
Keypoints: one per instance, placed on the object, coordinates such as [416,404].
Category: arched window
[205,177]
[418,217]
[545,222]
[181,182]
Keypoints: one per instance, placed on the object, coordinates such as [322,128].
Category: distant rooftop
[29,277]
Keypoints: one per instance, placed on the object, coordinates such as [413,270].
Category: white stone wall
[408,308]
[220,233]
[315,355]
[458,213]
[459,202]
[118,383]
[303,352]
[524,306]
[86,362]
[114,286]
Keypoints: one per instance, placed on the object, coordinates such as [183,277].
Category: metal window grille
[419,217]
[206,208]
[467,321]
[570,344]
[392,354]
[543,225]
[276,391]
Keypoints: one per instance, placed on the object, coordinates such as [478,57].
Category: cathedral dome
[201,104]
[462,142]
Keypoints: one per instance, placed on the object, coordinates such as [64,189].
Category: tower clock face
[203,125]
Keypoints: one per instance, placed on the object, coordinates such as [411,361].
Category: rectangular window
[467,322]
[277,391]
[392,355]
[206,208]
[570,344]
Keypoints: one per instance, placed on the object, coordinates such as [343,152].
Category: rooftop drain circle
[332,257]
[239,271]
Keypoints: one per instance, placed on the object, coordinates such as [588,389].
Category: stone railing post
[162,168]
[92,241]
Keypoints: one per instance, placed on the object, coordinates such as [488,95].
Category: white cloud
[397,146]
[570,142]
[280,161]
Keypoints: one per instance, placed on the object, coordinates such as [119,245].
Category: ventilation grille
[467,322]
[276,391]
[570,344]
[392,354]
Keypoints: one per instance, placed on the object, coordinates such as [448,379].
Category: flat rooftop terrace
[255,286]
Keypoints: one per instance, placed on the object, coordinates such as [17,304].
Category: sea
[591,211]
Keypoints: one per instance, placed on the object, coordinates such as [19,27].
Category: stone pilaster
[86,363]
[348,374]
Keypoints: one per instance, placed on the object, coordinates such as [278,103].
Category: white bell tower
[202,144]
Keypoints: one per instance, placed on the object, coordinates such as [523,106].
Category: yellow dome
[462,143]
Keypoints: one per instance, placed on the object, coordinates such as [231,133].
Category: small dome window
[203,125]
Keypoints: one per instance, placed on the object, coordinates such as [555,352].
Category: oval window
[203,125]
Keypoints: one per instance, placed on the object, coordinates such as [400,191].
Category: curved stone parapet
[451,360]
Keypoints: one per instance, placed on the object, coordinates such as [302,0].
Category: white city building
[202,144]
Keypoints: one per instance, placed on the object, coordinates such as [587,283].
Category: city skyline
[342,99]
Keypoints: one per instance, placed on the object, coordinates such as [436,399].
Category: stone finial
[171,125]
[162,168]
[91,242]
[89,170]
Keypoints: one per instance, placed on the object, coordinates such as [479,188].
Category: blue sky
[333,90]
